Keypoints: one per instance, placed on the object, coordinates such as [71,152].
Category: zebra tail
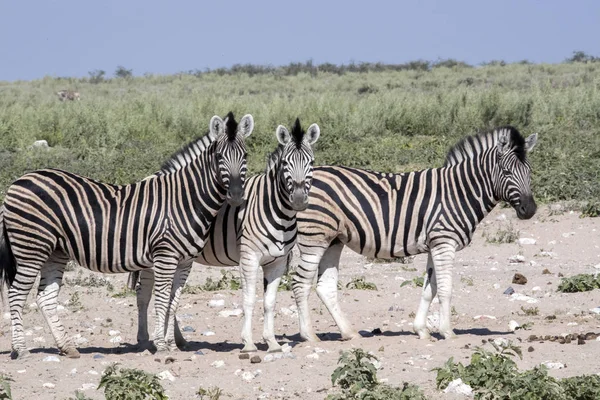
[133,279]
[8,266]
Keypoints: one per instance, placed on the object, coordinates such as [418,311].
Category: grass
[122,130]
[359,283]
[530,311]
[91,280]
[418,281]
[130,384]
[494,375]
[506,233]
[579,283]
[212,393]
[228,281]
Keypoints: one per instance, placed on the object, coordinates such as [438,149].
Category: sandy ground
[565,244]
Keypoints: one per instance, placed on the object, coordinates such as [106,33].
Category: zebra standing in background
[52,216]
[433,211]
[260,232]
[64,95]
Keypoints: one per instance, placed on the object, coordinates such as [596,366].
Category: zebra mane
[297,138]
[471,146]
[192,150]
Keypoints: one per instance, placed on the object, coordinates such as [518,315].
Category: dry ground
[482,274]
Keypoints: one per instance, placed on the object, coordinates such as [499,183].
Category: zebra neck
[280,198]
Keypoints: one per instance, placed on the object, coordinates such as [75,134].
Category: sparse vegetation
[356,376]
[286,281]
[228,281]
[418,281]
[506,233]
[530,311]
[130,384]
[89,280]
[579,283]
[467,280]
[359,283]
[592,210]
[5,392]
[494,375]
[124,292]
[75,302]
[212,393]
[80,396]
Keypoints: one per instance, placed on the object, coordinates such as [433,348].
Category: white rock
[320,350]
[516,259]
[597,266]
[595,310]
[51,359]
[532,263]
[501,341]
[208,333]
[247,376]
[214,303]
[166,374]
[231,313]
[21,371]
[114,332]
[522,297]
[60,307]
[409,362]
[552,242]
[92,372]
[88,386]
[286,348]
[268,358]
[116,339]
[567,234]
[550,254]
[218,364]
[484,317]
[457,386]
[368,266]
[313,356]
[496,286]
[513,325]
[425,356]
[39,339]
[37,328]
[525,241]
[49,385]
[536,289]
[73,371]
[288,312]
[553,365]
[40,144]
[572,324]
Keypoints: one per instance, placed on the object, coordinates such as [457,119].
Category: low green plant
[286,282]
[5,387]
[228,281]
[359,282]
[212,393]
[124,292]
[356,375]
[467,280]
[494,375]
[130,384]
[507,233]
[579,283]
[418,281]
[592,210]
[80,396]
[75,302]
[529,311]
[91,280]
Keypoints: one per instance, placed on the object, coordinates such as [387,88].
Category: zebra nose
[527,207]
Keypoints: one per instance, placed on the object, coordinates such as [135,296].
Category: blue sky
[72,37]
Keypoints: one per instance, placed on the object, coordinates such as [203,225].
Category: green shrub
[579,283]
[213,393]
[130,384]
[228,281]
[504,234]
[418,281]
[5,387]
[359,283]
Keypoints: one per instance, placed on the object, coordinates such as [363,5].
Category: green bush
[130,384]
[579,283]
[359,283]
[228,281]
[5,387]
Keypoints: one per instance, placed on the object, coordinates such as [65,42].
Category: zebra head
[296,162]
[513,183]
[229,157]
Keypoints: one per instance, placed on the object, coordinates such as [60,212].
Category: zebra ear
[312,134]
[216,127]
[283,135]
[530,142]
[246,125]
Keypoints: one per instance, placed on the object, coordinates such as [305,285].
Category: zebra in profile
[64,95]
[260,232]
[433,211]
[52,216]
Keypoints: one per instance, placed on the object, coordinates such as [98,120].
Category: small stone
[525,241]
[560,275]
[513,325]
[597,266]
[188,328]
[40,144]
[6,315]
[97,356]
[169,360]
[73,371]
[313,356]
[158,360]
[457,386]
[530,349]
[199,353]
[562,340]
[519,279]
[590,336]
[208,333]
[113,332]
[88,386]
[368,266]
[554,365]
[92,372]
[595,310]
[51,359]
[49,385]
[255,360]
[231,313]
[244,356]
[376,331]
[496,286]
[550,317]
[218,364]
[214,303]
[536,289]
[532,338]
[116,339]
[166,374]
[268,358]
[248,376]
[516,259]
[509,290]
[21,371]
[546,271]
[580,341]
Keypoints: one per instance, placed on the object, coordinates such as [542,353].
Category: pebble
[536,289]
[92,372]
[509,290]
[546,271]
[73,371]
[484,317]
[513,325]
[218,364]
[554,365]
[113,332]
[216,303]
[6,315]
[522,297]
[516,259]
[60,307]
[88,386]
[525,241]
[208,333]
[255,360]
[245,356]
[21,371]
[595,310]
[49,385]
[231,313]
[188,328]
[368,266]
[457,386]
[496,286]
[116,339]
[547,254]
[288,312]
[597,266]
[97,356]
[530,349]
[51,359]
[519,279]
[313,356]
[166,374]
[248,376]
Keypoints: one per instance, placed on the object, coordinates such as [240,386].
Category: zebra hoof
[423,334]
[449,335]
[275,349]
[349,336]
[19,354]
[70,353]
[310,337]
[249,348]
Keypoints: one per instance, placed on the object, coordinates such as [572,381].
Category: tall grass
[392,120]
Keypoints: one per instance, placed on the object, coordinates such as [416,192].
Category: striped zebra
[433,211]
[260,232]
[52,216]
[64,95]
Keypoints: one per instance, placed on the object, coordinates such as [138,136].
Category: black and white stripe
[260,232]
[433,211]
[52,216]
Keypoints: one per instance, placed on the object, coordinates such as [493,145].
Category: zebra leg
[327,289]
[428,293]
[272,277]
[17,295]
[249,270]
[302,283]
[443,259]
[164,271]
[47,300]
[144,295]
[179,279]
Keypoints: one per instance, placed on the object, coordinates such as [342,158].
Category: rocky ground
[104,324]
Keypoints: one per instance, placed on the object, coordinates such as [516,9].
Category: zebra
[432,211]
[52,216]
[64,95]
[260,232]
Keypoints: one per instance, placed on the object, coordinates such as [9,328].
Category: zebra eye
[507,172]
